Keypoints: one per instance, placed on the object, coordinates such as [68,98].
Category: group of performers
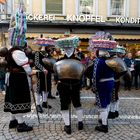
[68,74]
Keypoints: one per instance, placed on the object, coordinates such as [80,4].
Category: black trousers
[49,82]
[128,83]
[137,78]
[69,93]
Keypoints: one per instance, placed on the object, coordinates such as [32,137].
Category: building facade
[54,18]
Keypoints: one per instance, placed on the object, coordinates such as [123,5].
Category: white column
[96,7]
[30,6]
[126,7]
[10,6]
[43,6]
[64,7]
[108,8]
[13,5]
[138,7]
[77,7]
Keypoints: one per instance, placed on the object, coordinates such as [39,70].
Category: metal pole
[70,113]
[35,101]
[46,90]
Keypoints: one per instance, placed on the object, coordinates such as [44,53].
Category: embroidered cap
[101,41]
[68,42]
[48,42]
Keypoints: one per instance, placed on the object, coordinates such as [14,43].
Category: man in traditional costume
[69,72]
[114,106]
[103,76]
[104,83]
[137,70]
[49,75]
[41,81]
[42,76]
[17,98]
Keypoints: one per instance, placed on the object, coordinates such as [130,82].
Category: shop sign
[131,20]
[81,18]
[72,18]
[38,17]
[84,18]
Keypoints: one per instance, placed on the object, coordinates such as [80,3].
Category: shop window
[117,8]
[87,7]
[54,6]
[27,5]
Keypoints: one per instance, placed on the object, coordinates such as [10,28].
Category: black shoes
[45,105]
[13,124]
[111,115]
[102,128]
[57,93]
[20,127]
[67,129]
[100,121]
[24,128]
[39,109]
[51,97]
[116,114]
[80,125]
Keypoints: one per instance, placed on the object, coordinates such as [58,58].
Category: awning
[85,36]
[127,37]
[82,36]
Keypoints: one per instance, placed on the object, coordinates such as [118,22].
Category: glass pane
[86,7]
[54,6]
[117,7]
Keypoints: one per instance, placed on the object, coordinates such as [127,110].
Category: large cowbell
[69,69]
[49,63]
[117,64]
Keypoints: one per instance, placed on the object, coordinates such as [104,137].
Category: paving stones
[126,127]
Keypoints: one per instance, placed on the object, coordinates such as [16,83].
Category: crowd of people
[132,62]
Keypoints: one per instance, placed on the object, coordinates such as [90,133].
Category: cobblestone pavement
[126,127]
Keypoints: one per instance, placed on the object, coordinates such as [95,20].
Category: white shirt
[22,60]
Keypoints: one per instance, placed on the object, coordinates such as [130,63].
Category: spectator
[137,69]
[90,60]
[2,79]
[80,54]
[130,64]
